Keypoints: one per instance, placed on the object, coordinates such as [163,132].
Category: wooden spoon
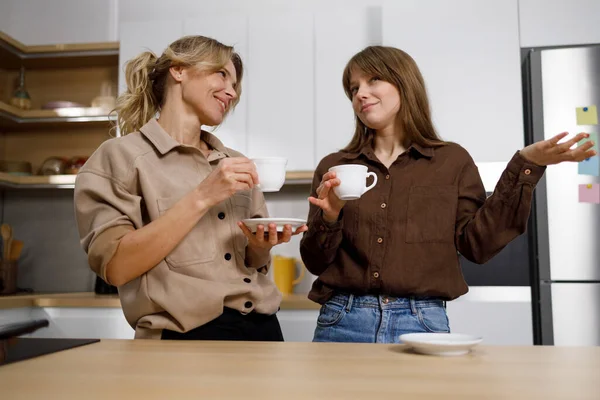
[6,232]
[15,249]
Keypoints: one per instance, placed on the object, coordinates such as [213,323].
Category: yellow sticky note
[587,115]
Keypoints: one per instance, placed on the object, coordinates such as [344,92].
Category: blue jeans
[378,319]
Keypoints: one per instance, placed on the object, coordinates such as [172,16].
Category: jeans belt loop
[349,302]
[413,305]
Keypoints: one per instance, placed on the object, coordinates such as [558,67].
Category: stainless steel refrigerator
[566,233]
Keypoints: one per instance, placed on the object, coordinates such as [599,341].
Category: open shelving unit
[14,55]
[36,133]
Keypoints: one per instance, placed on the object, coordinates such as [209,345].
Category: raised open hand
[548,152]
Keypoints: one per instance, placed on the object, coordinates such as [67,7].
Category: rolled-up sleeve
[105,212]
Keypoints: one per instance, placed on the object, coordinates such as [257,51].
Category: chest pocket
[198,246]
[431,214]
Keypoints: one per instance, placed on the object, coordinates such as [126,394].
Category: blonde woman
[387,262]
[159,208]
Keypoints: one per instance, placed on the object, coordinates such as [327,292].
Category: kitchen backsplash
[52,259]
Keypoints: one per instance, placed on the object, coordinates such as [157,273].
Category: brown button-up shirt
[402,237]
[131,181]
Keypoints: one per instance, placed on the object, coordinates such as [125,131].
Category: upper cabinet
[231,29]
[559,22]
[139,36]
[468,52]
[41,22]
[334,118]
[281,88]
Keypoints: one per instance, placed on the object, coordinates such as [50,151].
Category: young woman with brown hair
[387,262]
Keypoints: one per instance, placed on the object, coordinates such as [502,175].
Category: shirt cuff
[328,227]
[328,234]
[525,170]
[104,247]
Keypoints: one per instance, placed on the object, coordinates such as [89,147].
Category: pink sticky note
[589,193]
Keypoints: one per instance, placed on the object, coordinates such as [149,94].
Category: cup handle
[372,185]
[299,279]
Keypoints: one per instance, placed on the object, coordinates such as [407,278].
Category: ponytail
[138,103]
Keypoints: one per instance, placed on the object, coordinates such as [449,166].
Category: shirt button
[527,171]
[248,304]
[221,215]
[322,227]
[247,280]
[227,256]
[387,176]
[383,205]
[386,300]
[375,275]
[380,240]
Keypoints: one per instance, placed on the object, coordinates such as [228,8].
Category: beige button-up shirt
[131,181]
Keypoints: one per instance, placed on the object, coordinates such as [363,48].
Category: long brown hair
[146,77]
[398,68]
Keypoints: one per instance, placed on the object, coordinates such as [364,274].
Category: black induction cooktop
[19,349]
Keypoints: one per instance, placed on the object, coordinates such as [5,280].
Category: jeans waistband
[384,301]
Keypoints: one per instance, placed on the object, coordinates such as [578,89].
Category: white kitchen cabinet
[139,36]
[280,98]
[468,52]
[334,118]
[501,315]
[231,30]
[559,22]
[42,22]
[298,325]
[73,322]
[85,323]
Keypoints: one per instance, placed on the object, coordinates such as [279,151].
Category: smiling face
[375,101]
[209,94]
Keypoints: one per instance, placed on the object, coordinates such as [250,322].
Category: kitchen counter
[146,369]
[90,299]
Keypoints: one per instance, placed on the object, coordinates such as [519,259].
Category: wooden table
[144,369]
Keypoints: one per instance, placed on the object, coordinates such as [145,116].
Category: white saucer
[252,223]
[441,344]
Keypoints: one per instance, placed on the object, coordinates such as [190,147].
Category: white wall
[559,22]
[144,10]
[35,22]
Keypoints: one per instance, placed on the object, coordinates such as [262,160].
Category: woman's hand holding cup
[327,199]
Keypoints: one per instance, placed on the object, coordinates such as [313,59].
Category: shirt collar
[367,151]
[424,151]
[164,142]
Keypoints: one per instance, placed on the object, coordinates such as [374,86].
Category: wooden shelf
[14,54]
[68,181]
[37,181]
[13,118]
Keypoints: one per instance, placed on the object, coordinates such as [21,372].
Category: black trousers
[233,325]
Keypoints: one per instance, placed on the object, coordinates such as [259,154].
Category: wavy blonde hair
[398,68]
[146,77]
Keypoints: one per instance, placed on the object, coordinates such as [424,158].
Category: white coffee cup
[271,173]
[353,181]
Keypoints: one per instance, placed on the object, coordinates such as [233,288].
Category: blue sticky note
[591,166]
